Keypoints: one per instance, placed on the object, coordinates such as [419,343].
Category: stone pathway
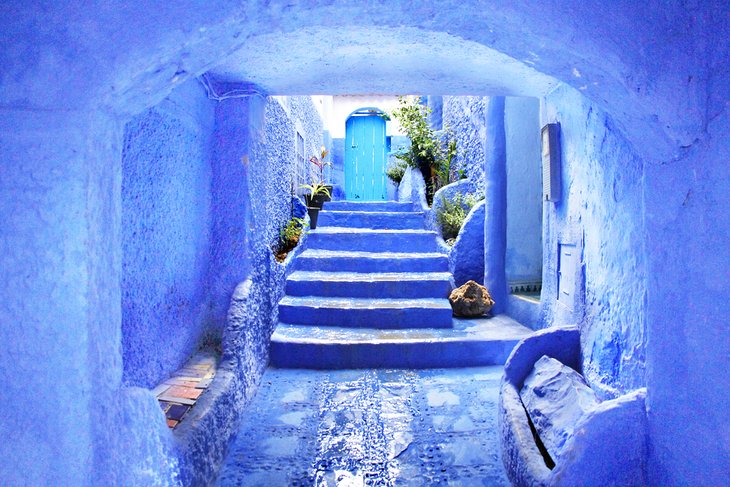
[370,427]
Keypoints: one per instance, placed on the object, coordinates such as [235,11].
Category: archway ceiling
[379,61]
[641,62]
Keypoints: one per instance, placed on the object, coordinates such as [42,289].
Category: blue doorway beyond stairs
[365,155]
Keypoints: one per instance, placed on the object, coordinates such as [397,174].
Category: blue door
[365,156]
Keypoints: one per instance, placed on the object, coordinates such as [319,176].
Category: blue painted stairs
[370,290]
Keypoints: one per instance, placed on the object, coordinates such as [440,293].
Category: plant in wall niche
[451,215]
[428,152]
[396,171]
[289,236]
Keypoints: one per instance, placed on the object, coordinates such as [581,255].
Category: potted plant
[318,160]
[318,194]
[315,199]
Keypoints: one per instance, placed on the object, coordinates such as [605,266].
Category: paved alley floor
[370,427]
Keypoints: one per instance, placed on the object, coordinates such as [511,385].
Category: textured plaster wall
[466,116]
[60,319]
[601,213]
[254,153]
[524,189]
[687,226]
[236,120]
[166,184]
[74,75]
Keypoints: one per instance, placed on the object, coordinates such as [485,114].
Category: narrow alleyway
[370,427]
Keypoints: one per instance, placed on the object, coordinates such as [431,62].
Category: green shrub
[289,237]
[396,171]
[427,150]
[452,214]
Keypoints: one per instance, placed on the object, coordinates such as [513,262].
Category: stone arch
[71,75]
[137,55]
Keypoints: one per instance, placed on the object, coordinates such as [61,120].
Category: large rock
[471,299]
[556,397]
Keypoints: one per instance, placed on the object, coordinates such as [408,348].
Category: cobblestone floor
[370,427]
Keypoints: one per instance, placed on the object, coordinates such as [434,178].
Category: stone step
[394,220]
[469,343]
[368,239]
[392,285]
[365,312]
[368,206]
[359,261]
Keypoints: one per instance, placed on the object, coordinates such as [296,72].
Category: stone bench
[606,443]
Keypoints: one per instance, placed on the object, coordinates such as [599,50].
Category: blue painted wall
[601,212]
[466,117]
[60,320]
[688,257]
[524,189]
[338,167]
[166,183]
[65,99]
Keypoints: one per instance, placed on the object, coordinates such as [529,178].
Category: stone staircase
[370,290]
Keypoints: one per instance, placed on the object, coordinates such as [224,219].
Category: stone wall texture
[72,78]
[601,213]
[166,183]
[466,117]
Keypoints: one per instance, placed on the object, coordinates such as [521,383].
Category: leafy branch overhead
[432,154]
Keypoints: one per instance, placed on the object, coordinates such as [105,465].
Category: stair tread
[497,328]
[368,276]
[365,303]
[398,214]
[384,231]
[323,253]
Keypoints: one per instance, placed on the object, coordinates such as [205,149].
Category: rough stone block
[556,398]
[471,299]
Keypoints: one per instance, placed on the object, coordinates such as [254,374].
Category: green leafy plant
[289,236]
[316,189]
[430,154]
[452,213]
[396,171]
[443,172]
[424,143]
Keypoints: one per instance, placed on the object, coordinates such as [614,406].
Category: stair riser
[404,221]
[367,206]
[366,318]
[390,355]
[395,242]
[357,264]
[374,289]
